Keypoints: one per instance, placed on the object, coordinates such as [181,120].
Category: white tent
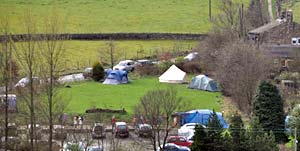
[173,75]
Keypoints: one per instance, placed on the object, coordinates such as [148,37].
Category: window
[172,140]
[182,139]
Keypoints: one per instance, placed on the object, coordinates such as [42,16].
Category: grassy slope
[82,16]
[85,53]
[296,12]
[81,54]
[88,94]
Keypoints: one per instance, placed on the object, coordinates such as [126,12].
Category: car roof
[120,123]
[144,125]
[125,61]
[177,136]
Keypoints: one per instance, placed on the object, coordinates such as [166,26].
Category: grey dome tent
[202,82]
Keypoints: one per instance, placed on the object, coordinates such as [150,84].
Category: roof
[120,123]
[268,26]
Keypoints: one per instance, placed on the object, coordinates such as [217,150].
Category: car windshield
[122,126]
[98,129]
[122,64]
[145,128]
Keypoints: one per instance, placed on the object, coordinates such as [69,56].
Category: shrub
[189,66]
[98,71]
[147,70]
[164,66]
[180,59]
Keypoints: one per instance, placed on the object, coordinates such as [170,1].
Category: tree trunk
[271,17]
[50,102]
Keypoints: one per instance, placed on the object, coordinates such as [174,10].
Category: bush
[180,59]
[98,71]
[189,66]
[164,66]
[145,70]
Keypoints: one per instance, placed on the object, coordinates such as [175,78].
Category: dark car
[144,130]
[98,131]
[121,129]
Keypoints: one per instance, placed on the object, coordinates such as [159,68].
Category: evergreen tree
[294,122]
[215,129]
[98,71]
[237,132]
[257,139]
[268,107]
[200,139]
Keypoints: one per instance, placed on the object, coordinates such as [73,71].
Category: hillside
[296,11]
[81,16]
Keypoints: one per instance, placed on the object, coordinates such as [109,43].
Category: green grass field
[81,16]
[82,54]
[296,12]
[88,94]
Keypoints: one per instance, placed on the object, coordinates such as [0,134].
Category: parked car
[188,130]
[127,65]
[179,140]
[144,130]
[121,129]
[25,81]
[173,147]
[88,72]
[98,131]
[191,56]
[144,62]
[94,148]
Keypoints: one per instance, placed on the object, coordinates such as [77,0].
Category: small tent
[115,77]
[173,75]
[200,116]
[202,82]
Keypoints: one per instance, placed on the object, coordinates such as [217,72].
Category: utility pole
[296,141]
[209,9]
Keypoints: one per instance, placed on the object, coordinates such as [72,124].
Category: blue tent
[202,82]
[115,77]
[200,116]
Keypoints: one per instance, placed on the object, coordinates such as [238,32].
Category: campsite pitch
[90,94]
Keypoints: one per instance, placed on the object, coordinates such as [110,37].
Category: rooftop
[268,26]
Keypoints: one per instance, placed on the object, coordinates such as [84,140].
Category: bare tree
[229,25]
[156,107]
[6,69]
[26,53]
[228,19]
[52,54]
[109,54]
[241,66]
[257,14]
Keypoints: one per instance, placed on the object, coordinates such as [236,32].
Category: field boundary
[111,36]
